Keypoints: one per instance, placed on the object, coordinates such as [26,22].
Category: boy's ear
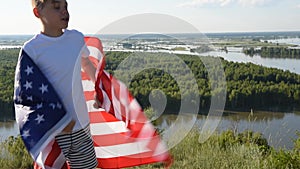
[36,12]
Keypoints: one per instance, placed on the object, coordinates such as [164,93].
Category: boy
[55,51]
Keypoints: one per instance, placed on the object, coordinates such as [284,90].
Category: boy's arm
[88,68]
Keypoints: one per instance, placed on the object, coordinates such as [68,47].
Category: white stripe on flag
[123,149]
[44,154]
[116,105]
[91,108]
[124,101]
[95,52]
[108,128]
[106,101]
[135,110]
[88,85]
[147,130]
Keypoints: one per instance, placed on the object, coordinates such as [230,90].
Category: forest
[8,60]
[248,86]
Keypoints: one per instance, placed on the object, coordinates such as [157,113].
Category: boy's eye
[56,6]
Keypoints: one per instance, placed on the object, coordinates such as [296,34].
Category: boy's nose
[65,12]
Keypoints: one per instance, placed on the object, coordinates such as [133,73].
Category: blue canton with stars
[42,112]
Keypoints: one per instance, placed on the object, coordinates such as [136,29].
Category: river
[8,128]
[236,55]
[280,129]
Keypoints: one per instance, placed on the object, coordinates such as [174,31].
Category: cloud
[204,2]
[222,3]
[253,2]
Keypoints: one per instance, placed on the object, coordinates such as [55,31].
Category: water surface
[280,129]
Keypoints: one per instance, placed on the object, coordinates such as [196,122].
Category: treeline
[274,52]
[8,60]
[249,86]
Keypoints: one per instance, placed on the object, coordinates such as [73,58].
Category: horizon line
[217,32]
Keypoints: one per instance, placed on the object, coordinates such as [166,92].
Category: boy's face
[54,15]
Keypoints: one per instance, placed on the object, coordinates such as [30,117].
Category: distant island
[274,52]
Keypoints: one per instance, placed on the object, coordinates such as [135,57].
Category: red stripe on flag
[123,138]
[89,95]
[95,42]
[84,76]
[128,161]
[94,61]
[55,152]
[98,117]
[112,139]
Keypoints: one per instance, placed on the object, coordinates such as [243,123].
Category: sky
[92,16]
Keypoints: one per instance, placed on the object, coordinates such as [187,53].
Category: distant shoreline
[206,33]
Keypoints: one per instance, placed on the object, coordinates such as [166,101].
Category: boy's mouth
[65,19]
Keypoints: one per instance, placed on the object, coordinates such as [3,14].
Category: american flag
[122,135]
[40,113]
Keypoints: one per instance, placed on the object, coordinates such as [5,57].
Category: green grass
[227,150]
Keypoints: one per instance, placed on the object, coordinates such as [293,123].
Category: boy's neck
[52,33]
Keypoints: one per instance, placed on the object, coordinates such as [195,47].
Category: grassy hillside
[227,150]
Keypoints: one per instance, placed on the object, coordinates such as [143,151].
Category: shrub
[14,154]
[229,138]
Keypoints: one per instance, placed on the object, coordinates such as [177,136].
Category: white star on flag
[29,98]
[39,118]
[29,70]
[28,85]
[26,134]
[38,106]
[44,88]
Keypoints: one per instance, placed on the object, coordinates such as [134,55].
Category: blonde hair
[38,3]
